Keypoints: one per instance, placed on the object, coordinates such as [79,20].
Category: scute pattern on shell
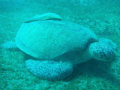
[51,38]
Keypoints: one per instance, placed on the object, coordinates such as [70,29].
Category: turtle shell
[51,38]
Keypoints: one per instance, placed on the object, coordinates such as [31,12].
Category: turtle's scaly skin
[101,51]
[50,70]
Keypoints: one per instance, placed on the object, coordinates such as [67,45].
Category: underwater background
[101,16]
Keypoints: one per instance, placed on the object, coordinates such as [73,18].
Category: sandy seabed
[103,18]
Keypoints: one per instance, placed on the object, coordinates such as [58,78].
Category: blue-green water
[101,16]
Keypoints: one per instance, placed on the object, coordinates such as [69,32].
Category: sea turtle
[58,45]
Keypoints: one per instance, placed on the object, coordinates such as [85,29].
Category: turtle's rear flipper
[46,16]
[50,70]
[9,45]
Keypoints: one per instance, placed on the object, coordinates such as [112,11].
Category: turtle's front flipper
[50,70]
[9,45]
[46,16]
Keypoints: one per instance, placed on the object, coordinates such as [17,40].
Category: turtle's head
[102,51]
